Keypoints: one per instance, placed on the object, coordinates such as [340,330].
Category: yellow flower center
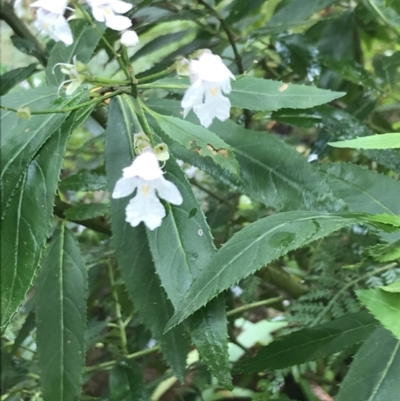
[145,189]
[214,91]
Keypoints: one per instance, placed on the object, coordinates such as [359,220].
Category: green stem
[105,81]
[158,74]
[349,285]
[162,86]
[105,41]
[118,314]
[71,108]
[143,121]
[110,364]
[253,305]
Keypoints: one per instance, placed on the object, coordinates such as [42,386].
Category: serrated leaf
[85,41]
[26,46]
[240,9]
[27,219]
[310,344]
[84,181]
[364,190]
[255,246]
[374,372]
[385,253]
[131,246]
[126,382]
[294,13]
[199,140]
[394,287]
[14,77]
[339,125]
[21,139]
[263,94]
[382,141]
[191,240]
[385,306]
[87,211]
[271,171]
[60,300]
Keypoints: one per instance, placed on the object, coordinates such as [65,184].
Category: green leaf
[14,77]
[294,14]
[364,190]
[60,300]
[386,13]
[85,41]
[87,211]
[21,139]
[310,344]
[27,220]
[394,287]
[374,373]
[84,181]
[382,141]
[131,246]
[264,94]
[126,382]
[385,306]
[26,46]
[199,140]
[255,246]
[339,125]
[191,240]
[271,171]
[240,9]
[385,253]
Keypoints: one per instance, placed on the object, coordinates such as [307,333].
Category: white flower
[75,72]
[50,19]
[106,10]
[209,77]
[129,38]
[146,177]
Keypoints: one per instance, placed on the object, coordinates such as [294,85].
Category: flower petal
[72,87]
[146,208]
[98,14]
[145,166]
[120,7]
[192,97]
[118,22]
[168,191]
[124,187]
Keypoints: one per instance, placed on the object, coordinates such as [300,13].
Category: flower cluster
[50,18]
[209,78]
[146,177]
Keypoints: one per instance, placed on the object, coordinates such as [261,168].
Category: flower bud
[182,67]
[141,142]
[129,38]
[161,151]
[24,112]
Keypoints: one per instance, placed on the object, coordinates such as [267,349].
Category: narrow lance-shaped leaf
[374,372]
[14,77]
[263,94]
[271,171]
[28,217]
[184,230]
[385,306]
[131,246]
[363,190]
[60,300]
[310,344]
[251,248]
[21,139]
[382,141]
[199,140]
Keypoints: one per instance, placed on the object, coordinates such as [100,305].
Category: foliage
[266,263]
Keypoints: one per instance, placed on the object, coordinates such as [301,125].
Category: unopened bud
[140,142]
[161,152]
[129,38]
[24,112]
[182,67]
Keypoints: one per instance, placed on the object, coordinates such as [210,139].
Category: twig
[253,305]
[71,108]
[96,224]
